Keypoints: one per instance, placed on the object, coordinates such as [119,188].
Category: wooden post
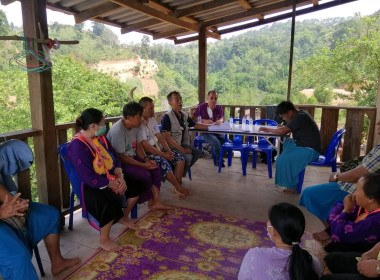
[202,63]
[42,107]
[291,52]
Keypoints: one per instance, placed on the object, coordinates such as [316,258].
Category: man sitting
[42,222]
[158,150]
[175,125]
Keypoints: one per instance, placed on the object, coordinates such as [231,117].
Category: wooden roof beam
[284,16]
[166,9]
[96,11]
[139,25]
[315,2]
[255,12]
[161,16]
[201,8]
[170,33]
[185,40]
[245,4]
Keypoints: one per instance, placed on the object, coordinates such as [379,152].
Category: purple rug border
[138,219]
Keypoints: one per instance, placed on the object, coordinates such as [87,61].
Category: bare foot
[160,206]
[109,245]
[321,236]
[179,193]
[128,223]
[60,265]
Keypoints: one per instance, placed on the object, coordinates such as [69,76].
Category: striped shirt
[371,163]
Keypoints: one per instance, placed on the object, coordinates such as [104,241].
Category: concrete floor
[228,192]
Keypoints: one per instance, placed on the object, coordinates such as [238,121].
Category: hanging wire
[18,62]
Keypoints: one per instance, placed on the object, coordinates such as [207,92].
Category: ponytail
[289,222]
[301,265]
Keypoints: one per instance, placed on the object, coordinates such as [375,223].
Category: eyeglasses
[269,227]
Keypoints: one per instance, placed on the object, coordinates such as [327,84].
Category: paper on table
[222,127]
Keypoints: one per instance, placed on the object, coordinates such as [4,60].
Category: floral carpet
[181,244]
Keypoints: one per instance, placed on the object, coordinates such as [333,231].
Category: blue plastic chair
[198,143]
[328,159]
[236,145]
[76,189]
[261,146]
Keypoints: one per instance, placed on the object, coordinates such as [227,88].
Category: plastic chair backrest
[76,183]
[237,139]
[332,149]
[268,122]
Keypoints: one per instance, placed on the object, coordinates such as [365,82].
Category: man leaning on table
[175,126]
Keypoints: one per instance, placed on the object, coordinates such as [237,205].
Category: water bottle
[199,119]
[231,121]
[250,124]
[244,122]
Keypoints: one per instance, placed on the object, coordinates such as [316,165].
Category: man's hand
[169,155]
[207,121]
[263,129]
[371,254]
[14,206]
[349,203]
[186,151]
[218,122]
[368,268]
[331,177]
[150,164]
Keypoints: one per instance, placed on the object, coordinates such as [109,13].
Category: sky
[364,7]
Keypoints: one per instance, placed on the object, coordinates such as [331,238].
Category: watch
[336,177]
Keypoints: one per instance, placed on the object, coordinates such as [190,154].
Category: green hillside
[251,68]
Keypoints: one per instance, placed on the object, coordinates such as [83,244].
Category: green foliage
[323,95]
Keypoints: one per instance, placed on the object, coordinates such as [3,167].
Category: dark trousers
[343,266]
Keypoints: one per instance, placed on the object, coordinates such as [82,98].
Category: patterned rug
[182,244]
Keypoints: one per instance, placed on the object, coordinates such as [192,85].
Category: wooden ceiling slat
[139,25]
[239,17]
[70,3]
[94,12]
[170,33]
[161,16]
[165,8]
[201,8]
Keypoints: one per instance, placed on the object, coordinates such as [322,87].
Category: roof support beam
[202,65]
[139,25]
[284,16]
[42,107]
[170,33]
[7,2]
[161,16]
[291,51]
[255,12]
[201,8]
[96,11]
[245,4]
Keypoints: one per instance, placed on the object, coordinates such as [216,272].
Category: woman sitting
[355,224]
[103,182]
[287,260]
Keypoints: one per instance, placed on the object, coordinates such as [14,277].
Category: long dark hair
[289,222]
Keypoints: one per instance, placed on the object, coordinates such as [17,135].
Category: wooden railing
[331,118]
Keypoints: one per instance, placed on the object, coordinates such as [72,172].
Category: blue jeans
[216,140]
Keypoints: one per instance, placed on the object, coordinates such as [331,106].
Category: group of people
[348,205]
[135,157]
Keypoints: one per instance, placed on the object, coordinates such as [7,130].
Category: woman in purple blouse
[93,158]
[211,113]
[286,260]
[355,224]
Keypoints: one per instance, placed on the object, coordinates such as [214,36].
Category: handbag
[16,222]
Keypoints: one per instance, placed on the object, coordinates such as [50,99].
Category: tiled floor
[229,193]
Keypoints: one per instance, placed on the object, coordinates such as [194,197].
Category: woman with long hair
[286,260]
